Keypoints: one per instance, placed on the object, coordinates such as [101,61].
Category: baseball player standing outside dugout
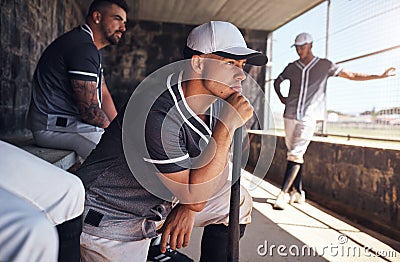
[304,105]
[71,104]
[179,143]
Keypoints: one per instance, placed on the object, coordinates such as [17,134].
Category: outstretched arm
[361,77]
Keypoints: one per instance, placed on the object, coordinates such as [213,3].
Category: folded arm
[107,103]
[85,94]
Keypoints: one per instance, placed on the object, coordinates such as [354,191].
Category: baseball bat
[233,227]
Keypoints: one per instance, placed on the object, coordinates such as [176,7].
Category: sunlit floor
[300,233]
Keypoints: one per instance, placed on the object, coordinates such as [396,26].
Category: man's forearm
[362,77]
[107,104]
[212,171]
[93,115]
[85,94]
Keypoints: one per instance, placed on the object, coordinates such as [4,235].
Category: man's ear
[96,16]
[197,63]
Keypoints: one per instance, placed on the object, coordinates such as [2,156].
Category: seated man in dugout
[71,104]
[161,166]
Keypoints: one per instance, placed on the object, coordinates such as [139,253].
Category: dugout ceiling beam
[265,15]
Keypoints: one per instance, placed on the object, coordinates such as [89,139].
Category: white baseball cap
[223,39]
[302,39]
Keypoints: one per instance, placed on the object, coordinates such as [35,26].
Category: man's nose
[240,74]
[122,28]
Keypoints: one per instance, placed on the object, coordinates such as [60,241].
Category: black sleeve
[165,143]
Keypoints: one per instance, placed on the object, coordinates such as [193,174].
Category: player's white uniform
[35,196]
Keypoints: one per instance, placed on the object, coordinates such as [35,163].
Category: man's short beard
[113,40]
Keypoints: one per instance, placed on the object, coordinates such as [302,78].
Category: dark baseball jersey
[72,56]
[307,93]
[121,200]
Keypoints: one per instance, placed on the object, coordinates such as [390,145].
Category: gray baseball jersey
[307,93]
[119,204]
[72,56]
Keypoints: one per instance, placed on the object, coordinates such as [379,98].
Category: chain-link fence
[360,36]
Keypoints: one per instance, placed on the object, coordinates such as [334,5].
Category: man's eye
[229,63]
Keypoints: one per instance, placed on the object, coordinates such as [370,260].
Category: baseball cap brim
[300,44]
[238,53]
[253,57]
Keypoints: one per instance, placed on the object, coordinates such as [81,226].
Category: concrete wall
[27,27]
[362,183]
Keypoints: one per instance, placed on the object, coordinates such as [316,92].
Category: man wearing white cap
[304,105]
[162,165]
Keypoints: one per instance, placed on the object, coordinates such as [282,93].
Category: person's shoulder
[293,63]
[325,60]
[76,42]
[164,102]
[75,33]
[80,35]
[290,66]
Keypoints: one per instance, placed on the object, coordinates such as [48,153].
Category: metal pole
[234,231]
[328,19]
[268,86]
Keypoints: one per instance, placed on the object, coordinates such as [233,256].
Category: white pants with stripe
[81,143]
[215,212]
[298,135]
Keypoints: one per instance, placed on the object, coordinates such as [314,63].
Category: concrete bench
[64,159]
[61,158]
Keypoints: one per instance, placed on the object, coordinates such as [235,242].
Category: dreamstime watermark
[333,250]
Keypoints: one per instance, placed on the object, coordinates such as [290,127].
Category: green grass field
[354,129]
[376,131]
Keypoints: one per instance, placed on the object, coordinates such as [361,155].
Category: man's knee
[33,237]
[74,197]
[42,233]
[246,206]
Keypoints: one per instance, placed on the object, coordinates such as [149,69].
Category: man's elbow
[277,85]
[196,207]
[94,120]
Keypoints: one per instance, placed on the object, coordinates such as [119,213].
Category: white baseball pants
[297,138]
[35,197]
[215,212]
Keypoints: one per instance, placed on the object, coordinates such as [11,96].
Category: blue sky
[357,27]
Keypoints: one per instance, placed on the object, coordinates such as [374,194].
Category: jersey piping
[304,84]
[187,108]
[166,161]
[185,113]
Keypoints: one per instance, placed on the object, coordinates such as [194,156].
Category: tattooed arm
[85,94]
